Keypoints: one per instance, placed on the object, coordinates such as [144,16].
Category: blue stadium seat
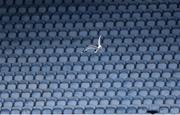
[19,103]
[5,111]
[170,100]
[29,102]
[83,102]
[131,110]
[159,100]
[36,111]
[89,93]
[142,110]
[36,93]
[78,110]
[61,102]
[121,109]
[89,110]
[3,85]
[148,100]
[53,85]
[40,102]
[26,94]
[57,110]
[46,111]
[72,102]
[94,101]
[51,102]
[174,109]
[164,109]
[8,103]
[68,110]
[104,101]
[15,111]
[99,110]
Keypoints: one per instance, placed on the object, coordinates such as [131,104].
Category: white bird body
[96,48]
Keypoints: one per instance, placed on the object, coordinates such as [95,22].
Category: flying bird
[94,47]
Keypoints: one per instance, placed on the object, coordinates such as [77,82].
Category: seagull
[96,48]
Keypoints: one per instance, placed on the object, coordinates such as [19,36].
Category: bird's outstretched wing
[91,47]
[99,41]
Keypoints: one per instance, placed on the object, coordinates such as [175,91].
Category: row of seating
[76,66]
[89,8]
[90,110]
[75,49]
[111,32]
[95,90]
[76,83]
[59,98]
[148,41]
[83,102]
[122,74]
[169,58]
[138,43]
[89,16]
[158,23]
[64,2]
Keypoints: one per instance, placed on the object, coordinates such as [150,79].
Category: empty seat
[57,110]
[3,86]
[68,110]
[26,111]
[8,103]
[36,93]
[15,111]
[99,110]
[121,109]
[164,109]
[159,100]
[78,110]
[89,110]
[5,94]
[169,100]
[5,111]
[104,101]
[142,110]
[26,94]
[46,111]
[43,85]
[29,102]
[40,103]
[36,111]
[19,103]
[174,109]
[83,102]
[131,110]
[57,93]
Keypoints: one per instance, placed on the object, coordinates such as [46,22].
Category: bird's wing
[93,46]
[97,50]
[90,47]
[99,41]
